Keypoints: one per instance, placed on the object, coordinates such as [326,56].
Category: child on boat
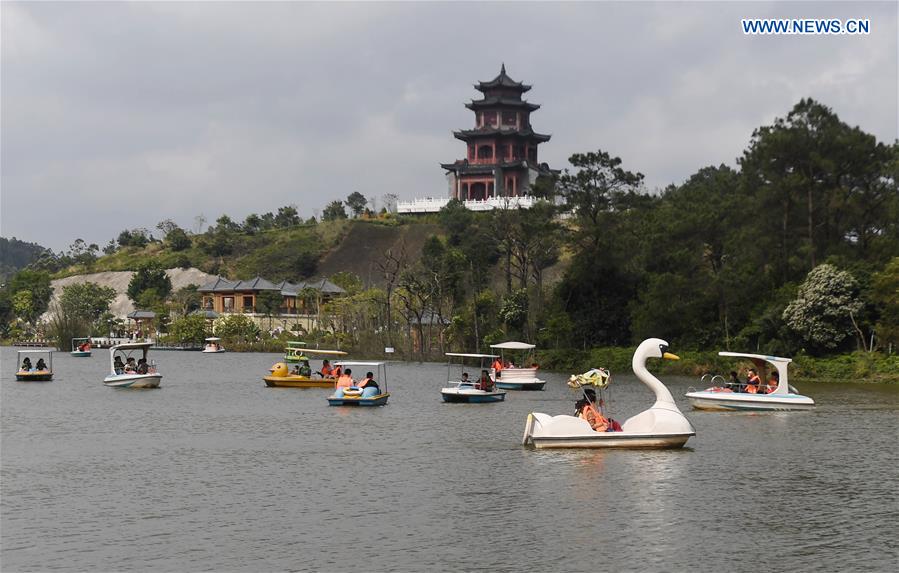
[344,381]
[369,386]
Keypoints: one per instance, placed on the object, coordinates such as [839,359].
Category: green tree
[189,329]
[37,283]
[23,306]
[268,302]
[356,201]
[235,328]
[178,240]
[350,282]
[885,296]
[149,275]
[823,310]
[334,211]
[87,301]
[287,217]
[187,299]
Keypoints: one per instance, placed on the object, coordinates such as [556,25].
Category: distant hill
[16,255]
[295,253]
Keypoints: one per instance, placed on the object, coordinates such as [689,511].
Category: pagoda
[502,147]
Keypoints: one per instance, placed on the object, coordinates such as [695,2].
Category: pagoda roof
[527,133]
[462,166]
[501,81]
[498,101]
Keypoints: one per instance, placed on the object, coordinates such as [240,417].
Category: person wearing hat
[586,409]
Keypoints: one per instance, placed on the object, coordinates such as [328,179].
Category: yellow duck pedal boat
[282,378]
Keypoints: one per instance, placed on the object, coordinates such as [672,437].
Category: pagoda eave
[467,135]
[501,102]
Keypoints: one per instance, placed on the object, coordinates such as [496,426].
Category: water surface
[215,471]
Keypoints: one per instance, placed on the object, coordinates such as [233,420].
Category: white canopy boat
[741,396]
[518,378]
[213,345]
[123,375]
[661,426]
[470,391]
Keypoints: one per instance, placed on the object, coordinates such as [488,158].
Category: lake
[215,471]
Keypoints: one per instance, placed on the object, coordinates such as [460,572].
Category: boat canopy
[131,346]
[85,338]
[294,343]
[783,384]
[37,351]
[342,363]
[324,352]
[465,355]
[213,339]
[513,345]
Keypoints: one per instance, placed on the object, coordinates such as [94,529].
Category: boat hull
[133,381]
[220,350]
[34,376]
[505,385]
[379,400]
[80,353]
[735,401]
[296,382]
[613,440]
[469,397]
[544,432]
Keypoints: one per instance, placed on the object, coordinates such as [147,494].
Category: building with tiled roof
[299,300]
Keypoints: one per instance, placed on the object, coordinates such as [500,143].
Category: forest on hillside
[794,250]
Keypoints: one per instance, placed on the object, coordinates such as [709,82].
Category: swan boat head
[664,416]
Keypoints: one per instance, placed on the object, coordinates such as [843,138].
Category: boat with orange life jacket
[660,426]
[521,377]
[468,391]
[367,392]
[752,396]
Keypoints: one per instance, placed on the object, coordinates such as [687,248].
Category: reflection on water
[214,471]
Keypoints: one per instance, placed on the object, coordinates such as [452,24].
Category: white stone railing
[435,204]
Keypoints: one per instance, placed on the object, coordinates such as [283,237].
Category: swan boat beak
[670,356]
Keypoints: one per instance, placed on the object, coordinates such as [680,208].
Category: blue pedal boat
[356,396]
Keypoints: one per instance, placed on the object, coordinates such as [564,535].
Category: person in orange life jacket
[498,367]
[753,382]
[345,380]
[773,383]
[586,409]
[326,371]
[484,382]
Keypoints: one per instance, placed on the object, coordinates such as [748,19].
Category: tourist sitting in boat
[369,386]
[305,369]
[142,366]
[773,383]
[41,365]
[130,366]
[484,382]
[753,382]
[734,382]
[84,347]
[585,408]
[498,367]
[345,380]
[465,379]
[26,364]
[118,365]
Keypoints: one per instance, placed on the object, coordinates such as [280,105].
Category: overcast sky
[117,116]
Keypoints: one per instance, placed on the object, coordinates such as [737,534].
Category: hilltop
[294,253]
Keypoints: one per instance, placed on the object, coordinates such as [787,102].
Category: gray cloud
[120,115]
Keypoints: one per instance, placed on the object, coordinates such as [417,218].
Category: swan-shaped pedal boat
[661,426]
